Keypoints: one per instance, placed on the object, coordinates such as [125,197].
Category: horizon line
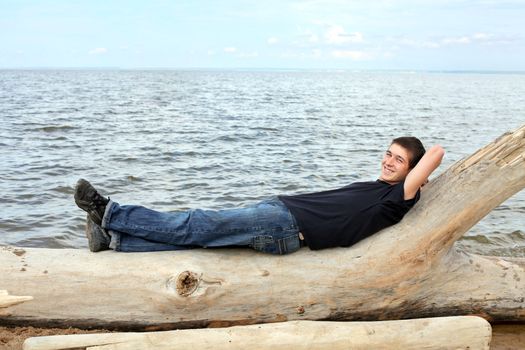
[106,68]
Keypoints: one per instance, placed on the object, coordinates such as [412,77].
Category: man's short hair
[414,146]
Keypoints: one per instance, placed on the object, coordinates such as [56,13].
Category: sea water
[174,140]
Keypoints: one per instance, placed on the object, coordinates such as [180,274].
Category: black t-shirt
[344,216]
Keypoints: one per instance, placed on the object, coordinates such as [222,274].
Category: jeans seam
[282,246]
[159,229]
[107,213]
[117,237]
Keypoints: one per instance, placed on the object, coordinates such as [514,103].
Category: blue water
[215,139]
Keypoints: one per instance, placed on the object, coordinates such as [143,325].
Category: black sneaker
[88,199]
[98,238]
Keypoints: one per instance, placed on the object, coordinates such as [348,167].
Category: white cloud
[327,34]
[249,54]
[476,38]
[337,35]
[211,52]
[272,41]
[479,38]
[462,40]
[491,39]
[482,36]
[354,55]
[430,45]
[236,52]
[98,51]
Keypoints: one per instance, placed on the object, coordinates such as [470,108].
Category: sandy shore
[504,337]
[507,337]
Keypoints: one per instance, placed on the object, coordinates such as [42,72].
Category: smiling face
[395,165]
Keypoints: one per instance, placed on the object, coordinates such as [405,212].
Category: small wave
[57,171]
[509,208]
[518,235]
[289,188]
[14,226]
[62,110]
[226,138]
[124,159]
[43,241]
[262,128]
[478,238]
[496,243]
[107,112]
[182,154]
[55,128]
[63,189]
[195,185]
[132,178]
[312,110]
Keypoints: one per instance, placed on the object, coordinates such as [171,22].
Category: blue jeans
[267,226]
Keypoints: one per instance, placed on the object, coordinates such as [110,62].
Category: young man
[279,225]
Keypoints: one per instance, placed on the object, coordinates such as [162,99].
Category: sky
[268,34]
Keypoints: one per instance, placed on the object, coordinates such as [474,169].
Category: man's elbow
[437,152]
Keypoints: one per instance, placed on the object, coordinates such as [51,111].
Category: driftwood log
[410,270]
[454,333]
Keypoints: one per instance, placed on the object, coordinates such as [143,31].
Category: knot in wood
[187,283]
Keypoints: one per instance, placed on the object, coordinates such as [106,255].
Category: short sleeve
[397,197]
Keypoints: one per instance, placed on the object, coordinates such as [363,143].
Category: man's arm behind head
[418,176]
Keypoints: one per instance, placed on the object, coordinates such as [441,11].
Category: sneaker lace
[98,202]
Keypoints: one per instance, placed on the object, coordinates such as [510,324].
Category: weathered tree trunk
[409,270]
[461,332]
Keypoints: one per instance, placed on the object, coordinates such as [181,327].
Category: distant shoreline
[303,70]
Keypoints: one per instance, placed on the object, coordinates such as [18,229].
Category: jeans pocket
[279,246]
[289,244]
[263,243]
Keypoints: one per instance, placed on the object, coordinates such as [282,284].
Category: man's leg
[122,242]
[100,239]
[267,226]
